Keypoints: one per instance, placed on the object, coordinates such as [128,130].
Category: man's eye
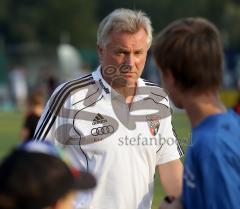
[139,53]
[120,53]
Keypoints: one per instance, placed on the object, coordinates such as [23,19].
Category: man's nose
[128,64]
[129,60]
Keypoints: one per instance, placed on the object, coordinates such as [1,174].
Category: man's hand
[171,203]
[171,175]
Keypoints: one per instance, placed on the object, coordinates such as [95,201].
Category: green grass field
[10,124]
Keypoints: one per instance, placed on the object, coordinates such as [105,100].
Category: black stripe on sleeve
[60,106]
[57,99]
[179,148]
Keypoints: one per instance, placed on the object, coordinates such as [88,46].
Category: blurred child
[33,176]
[35,105]
[189,54]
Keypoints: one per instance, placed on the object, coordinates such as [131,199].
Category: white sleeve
[45,127]
[170,148]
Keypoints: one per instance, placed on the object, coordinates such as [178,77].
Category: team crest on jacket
[153,123]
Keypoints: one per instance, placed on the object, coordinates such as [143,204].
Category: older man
[115,124]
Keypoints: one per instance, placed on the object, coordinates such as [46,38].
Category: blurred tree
[44,21]
[104,7]
[231,24]
[72,17]
[224,13]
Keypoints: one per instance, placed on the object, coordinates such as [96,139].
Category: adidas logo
[98,119]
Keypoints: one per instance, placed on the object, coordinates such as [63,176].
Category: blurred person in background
[35,106]
[18,85]
[34,176]
[51,84]
[70,60]
[189,55]
[115,124]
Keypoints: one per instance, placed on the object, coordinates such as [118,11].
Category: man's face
[123,58]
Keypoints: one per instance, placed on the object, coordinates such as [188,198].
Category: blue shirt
[212,165]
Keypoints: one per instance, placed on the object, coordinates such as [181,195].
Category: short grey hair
[124,20]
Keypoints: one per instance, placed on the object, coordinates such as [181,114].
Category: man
[113,123]
[27,181]
[190,55]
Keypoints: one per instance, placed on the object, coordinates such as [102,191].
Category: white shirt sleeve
[169,149]
[47,122]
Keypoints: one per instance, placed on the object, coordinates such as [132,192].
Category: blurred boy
[34,177]
[35,105]
[190,56]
